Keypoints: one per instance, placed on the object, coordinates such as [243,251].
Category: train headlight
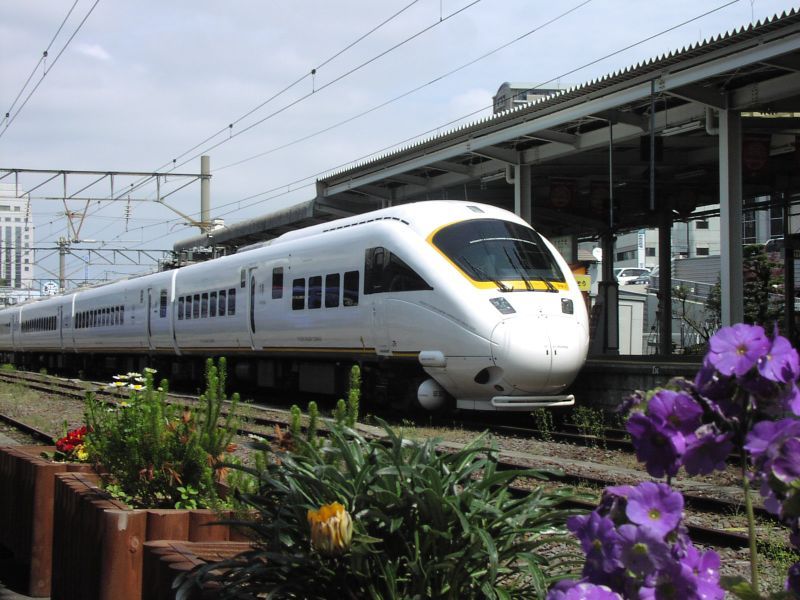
[567,306]
[502,305]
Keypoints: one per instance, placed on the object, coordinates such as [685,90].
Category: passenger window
[180,308]
[204,306]
[315,291]
[387,272]
[350,296]
[163,306]
[232,301]
[332,290]
[243,277]
[298,294]
[212,304]
[222,302]
[196,307]
[122,315]
[277,282]
[188,307]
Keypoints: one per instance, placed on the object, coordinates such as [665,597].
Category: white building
[16,241]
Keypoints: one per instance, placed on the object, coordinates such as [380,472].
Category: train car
[443,303]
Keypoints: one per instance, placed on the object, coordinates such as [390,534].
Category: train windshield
[495,251]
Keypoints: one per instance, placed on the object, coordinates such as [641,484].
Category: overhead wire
[289,86]
[411,91]
[39,62]
[10,120]
[294,185]
[329,83]
[143,181]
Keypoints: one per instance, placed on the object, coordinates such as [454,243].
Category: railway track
[262,422]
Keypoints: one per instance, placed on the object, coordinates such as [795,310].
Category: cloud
[95,51]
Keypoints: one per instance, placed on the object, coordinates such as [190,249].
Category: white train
[442,302]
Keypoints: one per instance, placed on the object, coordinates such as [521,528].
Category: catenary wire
[409,92]
[289,86]
[328,84]
[41,59]
[45,73]
[138,184]
[288,187]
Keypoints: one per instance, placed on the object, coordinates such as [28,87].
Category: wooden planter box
[98,543]
[26,512]
[165,560]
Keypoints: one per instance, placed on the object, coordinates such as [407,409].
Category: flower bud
[331,529]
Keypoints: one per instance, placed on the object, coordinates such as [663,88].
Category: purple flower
[706,450]
[635,400]
[599,541]
[657,444]
[735,350]
[710,384]
[643,551]
[764,438]
[705,569]
[786,466]
[789,399]
[655,506]
[581,590]
[675,409]
[780,363]
[793,579]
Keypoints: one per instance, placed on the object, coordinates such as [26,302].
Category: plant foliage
[425,524]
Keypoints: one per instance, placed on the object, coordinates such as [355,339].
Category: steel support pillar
[730,213]
[608,290]
[523,194]
[665,281]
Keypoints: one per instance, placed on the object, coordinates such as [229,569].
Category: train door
[251,307]
[150,318]
[61,327]
[374,266]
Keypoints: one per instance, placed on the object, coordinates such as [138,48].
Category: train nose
[537,355]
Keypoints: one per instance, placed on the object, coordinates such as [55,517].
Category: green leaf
[739,587]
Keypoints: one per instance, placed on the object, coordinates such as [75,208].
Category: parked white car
[628,275]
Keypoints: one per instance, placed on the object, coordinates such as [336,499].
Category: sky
[145,86]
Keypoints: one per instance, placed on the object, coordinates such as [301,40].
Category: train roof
[422,217]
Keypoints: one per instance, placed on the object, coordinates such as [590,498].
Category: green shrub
[543,417]
[158,455]
[7,367]
[424,525]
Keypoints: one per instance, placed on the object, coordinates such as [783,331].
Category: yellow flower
[81,453]
[136,386]
[331,529]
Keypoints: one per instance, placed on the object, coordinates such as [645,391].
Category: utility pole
[63,248]
[205,194]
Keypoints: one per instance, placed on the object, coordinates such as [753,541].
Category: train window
[162,310]
[315,291]
[180,308]
[222,302]
[298,294]
[494,250]
[243,276]
[332,290]
[196,306]
[141,297]
[122,314]
[188,307]
[212,305]
[204,306]
[232,301]
[384,271]
[277,282]
[350,296]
